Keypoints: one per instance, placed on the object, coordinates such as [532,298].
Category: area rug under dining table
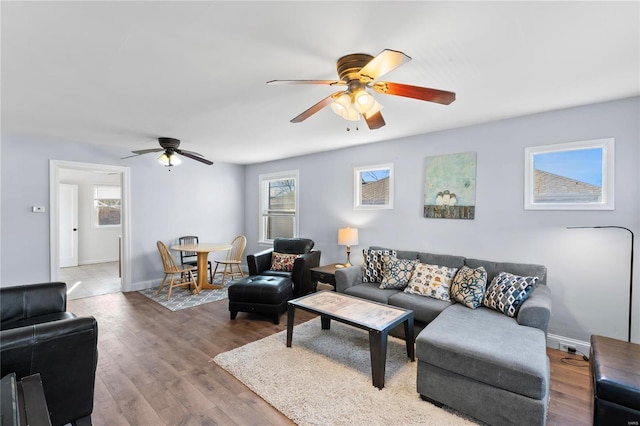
[325,379]
[181,298]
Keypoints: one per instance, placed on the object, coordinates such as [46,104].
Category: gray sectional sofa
[479,362]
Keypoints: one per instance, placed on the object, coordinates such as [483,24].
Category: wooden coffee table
[376,318]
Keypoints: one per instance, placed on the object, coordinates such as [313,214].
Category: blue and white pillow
[468,286]
[397,272]
[507,292]
[374,264]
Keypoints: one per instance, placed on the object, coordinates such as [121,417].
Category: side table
[325,274]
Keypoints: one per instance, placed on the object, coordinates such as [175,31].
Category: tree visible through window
[107,203]
[279,206]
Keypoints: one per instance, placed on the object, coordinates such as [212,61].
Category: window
[570,176]
[106,202]
[373,187]
[278,205]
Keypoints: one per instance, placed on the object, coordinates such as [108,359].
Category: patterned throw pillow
[468,286]
[282,261]
[373,264]
[507,292]
[431,280]
[396,273]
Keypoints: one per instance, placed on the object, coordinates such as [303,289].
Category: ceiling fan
[358,72]
[169,157]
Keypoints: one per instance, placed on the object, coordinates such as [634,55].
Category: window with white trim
[278,205]
[107,205]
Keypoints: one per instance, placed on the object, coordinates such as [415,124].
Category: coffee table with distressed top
[376,318]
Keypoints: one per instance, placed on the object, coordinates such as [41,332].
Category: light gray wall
[588,269]
[190,199]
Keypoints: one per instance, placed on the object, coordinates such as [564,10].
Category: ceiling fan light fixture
[169,160]
[363,101]
[375,108]
[343,107]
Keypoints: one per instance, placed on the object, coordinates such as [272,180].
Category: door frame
[54,234]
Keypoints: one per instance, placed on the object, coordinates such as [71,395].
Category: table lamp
[348,237]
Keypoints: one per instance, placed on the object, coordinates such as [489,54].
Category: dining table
[203,250]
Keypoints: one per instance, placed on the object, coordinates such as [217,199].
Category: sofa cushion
[441,259]
[425,309]
[374,263]
[371,291]
[396,273]
[468,286]
[522,269]
[507,292]
[488,347]
[282,261]
[431,280]
[400,254]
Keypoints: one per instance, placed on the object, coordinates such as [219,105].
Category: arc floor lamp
[631,265]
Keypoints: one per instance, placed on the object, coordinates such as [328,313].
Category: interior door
[68,226]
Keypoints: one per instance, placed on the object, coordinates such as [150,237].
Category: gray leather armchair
[260,263]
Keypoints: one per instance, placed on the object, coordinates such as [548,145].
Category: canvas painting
[450,186]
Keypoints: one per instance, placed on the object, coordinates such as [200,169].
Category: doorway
[103,253]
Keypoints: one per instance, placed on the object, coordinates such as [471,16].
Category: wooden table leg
[203,282]
[291,311]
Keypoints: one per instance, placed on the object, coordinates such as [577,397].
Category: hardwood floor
[155,366]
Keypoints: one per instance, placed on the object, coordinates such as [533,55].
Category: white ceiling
[123,73]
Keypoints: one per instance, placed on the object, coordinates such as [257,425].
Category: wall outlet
[38,209]
[567,348]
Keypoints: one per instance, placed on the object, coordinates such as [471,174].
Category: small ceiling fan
[169,157]
[358,71]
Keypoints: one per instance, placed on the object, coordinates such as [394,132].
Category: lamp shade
[169,160]
[348,236]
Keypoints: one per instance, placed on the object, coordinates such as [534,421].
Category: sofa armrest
[18,303]
[536,310]
[65,354]
[348,277]
[259,262]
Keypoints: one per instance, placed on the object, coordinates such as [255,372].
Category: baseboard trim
[554,341]
[143,285]
[93,262]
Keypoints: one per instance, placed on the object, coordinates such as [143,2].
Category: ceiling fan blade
[143,151]
[315,108]
[415,92]
[374,121]
[193,157]
[191,152]
[385,61]
[321,82]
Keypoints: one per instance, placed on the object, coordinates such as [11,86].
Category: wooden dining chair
[191,257]
[234,258]
[184,272]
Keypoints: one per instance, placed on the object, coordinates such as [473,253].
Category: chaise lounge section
[481,362]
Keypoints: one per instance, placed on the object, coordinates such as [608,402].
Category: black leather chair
[38,335]
[260,263]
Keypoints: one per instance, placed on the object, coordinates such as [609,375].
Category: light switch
[38,209]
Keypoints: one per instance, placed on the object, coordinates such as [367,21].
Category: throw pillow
[282,261]
[431,280]
[396,273]
[373,264]
[468,286]
[507,292]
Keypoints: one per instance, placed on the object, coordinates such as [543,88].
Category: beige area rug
[325,379]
